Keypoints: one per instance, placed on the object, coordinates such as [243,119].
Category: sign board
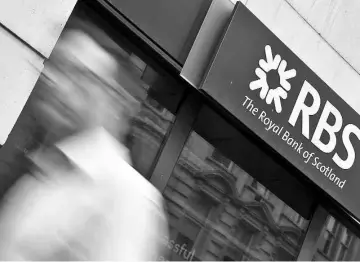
[267,87]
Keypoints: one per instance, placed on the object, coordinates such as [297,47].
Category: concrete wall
[337,21]
[29,30]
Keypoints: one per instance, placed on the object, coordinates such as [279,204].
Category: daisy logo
[273,79]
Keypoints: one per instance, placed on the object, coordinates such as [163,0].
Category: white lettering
[271,125]
[246,100]
[286,136]
[254,111]
[307,111]
[315,161]
[349,161]
[262,116]
[323,125]
[267,121]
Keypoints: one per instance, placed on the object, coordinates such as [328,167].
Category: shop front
[255,155]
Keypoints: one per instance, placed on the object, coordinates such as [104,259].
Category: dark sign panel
[165,23]
[266,86]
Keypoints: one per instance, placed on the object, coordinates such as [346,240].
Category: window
[332,225]
[341,253]
[337,243]
[345,241]
[264,192]
[221,159]
[328,241]
[260,189]
[293,216]
[331,228]
[245,235]
[201,205]
[346,237]
[222,196]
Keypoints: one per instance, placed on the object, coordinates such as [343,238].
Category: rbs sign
[270,90]
[303,112]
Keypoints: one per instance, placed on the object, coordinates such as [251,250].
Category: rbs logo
[273,69]
[332,129]
[273,84]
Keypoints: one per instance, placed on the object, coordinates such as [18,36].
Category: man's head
[78,89]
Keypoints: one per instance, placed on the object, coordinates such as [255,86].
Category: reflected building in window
[224,213]
[337,243]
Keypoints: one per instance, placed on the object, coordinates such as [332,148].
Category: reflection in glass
[337,243]
[224,214]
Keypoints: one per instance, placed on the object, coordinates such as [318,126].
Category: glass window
[219,158]
[148,127]
[260,189]
[293,216]
[331,225]
[224,214]
[337,243]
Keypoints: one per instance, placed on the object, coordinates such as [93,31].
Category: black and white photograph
[180,130]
